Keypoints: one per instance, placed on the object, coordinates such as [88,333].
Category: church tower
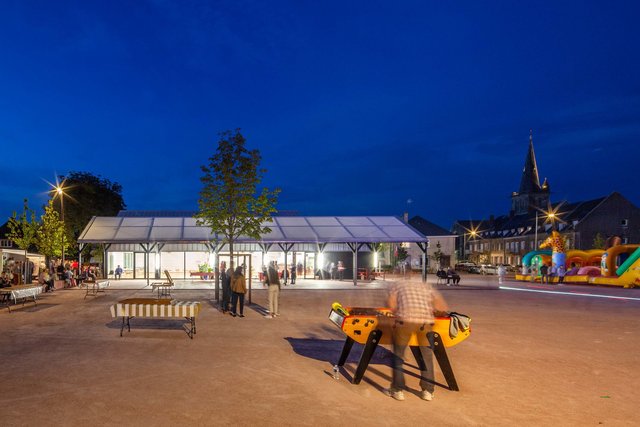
[530,194]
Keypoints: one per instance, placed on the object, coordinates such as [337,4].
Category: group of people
[234,288]
[337,270]
[450,275]
[547,272]
[18,273]
[289,275]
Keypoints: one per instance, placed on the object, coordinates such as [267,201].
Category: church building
[507,238]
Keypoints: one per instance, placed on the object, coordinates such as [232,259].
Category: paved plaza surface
[533,358]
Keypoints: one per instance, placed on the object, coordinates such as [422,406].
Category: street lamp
[59,190]
[472,233]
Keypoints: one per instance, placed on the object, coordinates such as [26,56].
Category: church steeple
[530,194]
[530,180]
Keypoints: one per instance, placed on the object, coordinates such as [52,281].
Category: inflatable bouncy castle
[617,266]
[557,244]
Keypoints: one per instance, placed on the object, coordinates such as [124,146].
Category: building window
[624,223]
[625,240]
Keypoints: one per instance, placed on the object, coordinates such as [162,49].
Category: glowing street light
[473,233]
[58,191]
[550,215]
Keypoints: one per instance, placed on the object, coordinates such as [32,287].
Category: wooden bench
[93,287]
[204,275]
[157,309]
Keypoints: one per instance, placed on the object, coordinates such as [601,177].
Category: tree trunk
[231,256]
[26,260]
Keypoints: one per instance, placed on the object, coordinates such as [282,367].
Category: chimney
[405,217]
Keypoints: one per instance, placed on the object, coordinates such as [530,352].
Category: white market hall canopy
[132,230]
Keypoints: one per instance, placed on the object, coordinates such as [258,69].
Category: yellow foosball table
[374,326]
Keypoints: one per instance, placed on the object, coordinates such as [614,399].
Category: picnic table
[20,292]
[159,309]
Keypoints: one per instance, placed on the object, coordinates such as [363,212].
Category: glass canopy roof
[298,229]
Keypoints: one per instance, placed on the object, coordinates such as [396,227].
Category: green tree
[402,253]
[230,203]
[85,196]
[23,230]
[437,254]
[50,233]
[598,242]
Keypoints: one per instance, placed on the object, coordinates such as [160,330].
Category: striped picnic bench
[158,309]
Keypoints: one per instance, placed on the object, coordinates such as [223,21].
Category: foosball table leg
[348,344]
[417,354]
[441,356]
[367,353]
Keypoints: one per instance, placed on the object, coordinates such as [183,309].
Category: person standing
[285,274]
[561,273]
[502,271]
[340,270]
[274,291]
[544,274]
[293,274]
[413,304]
[534,272]
[226,289]
[239,288]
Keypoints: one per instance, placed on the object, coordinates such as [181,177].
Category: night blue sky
[356,107]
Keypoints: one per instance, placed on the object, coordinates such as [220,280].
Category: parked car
[465,266]
[488,269]
[475,269]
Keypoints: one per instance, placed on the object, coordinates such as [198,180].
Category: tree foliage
[85,196]
[230,203]
[50,233]
[23,229]
[598,242]
[437,254]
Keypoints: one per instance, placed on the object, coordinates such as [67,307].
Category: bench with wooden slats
[159,309]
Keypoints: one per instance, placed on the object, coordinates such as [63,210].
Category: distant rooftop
[428,228]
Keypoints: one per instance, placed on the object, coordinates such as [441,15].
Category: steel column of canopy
[285,248]
[316,267]
[80,248]
[423,247]
[354,250]
[105,267]
[214,248]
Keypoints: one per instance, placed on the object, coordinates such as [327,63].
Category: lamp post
[59,190]
[472,235]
